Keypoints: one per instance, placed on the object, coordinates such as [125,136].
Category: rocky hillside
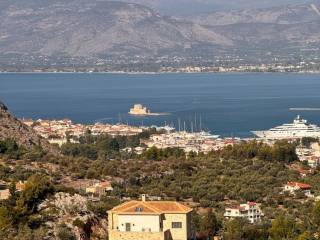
[101,28]
[292,14]
[183,7]
[95,28]
[11,127]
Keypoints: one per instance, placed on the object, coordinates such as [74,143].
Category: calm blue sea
[229,104]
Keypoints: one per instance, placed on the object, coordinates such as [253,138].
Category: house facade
[4,194]
[100,188]
[292,187]
[150,220]
[250,211]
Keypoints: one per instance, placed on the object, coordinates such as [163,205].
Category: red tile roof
[252,203]
[151,207]
[299,185]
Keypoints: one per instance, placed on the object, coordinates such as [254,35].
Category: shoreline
[149,114]
[161,73]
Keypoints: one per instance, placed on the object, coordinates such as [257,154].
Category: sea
[230,105]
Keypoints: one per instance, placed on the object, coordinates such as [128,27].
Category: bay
[228,104]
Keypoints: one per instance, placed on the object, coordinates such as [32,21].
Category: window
[176,224]
[128,227]
[139,209]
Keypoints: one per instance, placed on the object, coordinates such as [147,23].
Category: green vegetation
[104,147]
[249,171]
[307,141]
[281,151]
[19,213]
[10,149]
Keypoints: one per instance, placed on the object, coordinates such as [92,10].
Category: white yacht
[208,135]
[298,129]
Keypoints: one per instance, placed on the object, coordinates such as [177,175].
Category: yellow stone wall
[183,233]
[116,235]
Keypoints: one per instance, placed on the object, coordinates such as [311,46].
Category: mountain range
[291,14]
[99,28]
[188,7]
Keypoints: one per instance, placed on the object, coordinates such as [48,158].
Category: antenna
[195,122]
[200,124]
[179,124]
[191,126]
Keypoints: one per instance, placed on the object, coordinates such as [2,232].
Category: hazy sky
[194,6]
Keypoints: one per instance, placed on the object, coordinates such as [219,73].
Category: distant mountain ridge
[292,14]
[82,28]
[100,28]
[189,7]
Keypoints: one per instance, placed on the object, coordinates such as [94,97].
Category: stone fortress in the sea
[140,110]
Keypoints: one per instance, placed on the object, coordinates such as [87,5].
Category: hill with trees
[49,208]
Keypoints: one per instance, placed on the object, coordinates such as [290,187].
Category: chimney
[143,197]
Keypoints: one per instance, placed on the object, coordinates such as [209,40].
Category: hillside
[95,28]
[292,14]
[187,7]
[11,127]
[108,29]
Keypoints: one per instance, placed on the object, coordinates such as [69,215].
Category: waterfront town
[116,196]
[61,131]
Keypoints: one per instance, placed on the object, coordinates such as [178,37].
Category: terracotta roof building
[292,187]
[150,220]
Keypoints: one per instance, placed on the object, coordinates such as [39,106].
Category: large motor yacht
[298,129]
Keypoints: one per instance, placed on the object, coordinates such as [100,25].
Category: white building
[4,194]
[292,187]
[100,188]
[310,155]
[250,211]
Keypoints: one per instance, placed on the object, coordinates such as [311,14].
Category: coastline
[149,114]
[161,73]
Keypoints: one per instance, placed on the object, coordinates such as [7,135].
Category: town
[158,183]
[160,216]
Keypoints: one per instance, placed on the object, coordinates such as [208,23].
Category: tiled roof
[105,184]
[151,207]
[252,203]
[299,185]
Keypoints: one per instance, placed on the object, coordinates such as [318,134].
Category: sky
[185,7]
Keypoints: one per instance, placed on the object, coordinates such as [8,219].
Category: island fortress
[140,110]
[150,220]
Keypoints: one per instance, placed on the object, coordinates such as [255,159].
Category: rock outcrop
[11,127]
